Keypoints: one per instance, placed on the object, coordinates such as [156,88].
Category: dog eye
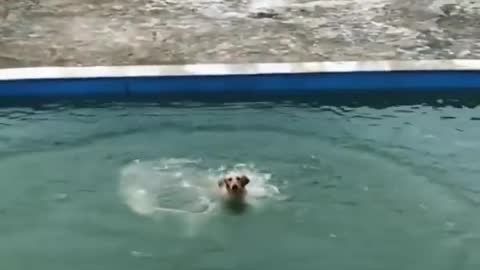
[229,179]
[238,178]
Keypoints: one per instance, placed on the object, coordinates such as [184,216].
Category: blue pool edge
[256,79]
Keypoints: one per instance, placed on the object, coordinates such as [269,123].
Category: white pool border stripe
[233,69]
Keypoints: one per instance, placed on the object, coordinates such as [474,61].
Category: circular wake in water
[184,187]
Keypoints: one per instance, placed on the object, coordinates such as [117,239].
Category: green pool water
[395,187]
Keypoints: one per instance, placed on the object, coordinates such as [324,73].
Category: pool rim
[239,81]
[219,69]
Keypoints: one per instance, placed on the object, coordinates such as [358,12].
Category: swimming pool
[343,186]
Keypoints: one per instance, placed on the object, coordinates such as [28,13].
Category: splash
[259,187]
[184,187]
[165,185]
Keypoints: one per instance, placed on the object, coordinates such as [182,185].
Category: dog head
[235,184]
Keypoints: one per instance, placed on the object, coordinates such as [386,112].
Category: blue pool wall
[278,79]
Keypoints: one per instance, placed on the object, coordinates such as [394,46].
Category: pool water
[333,187]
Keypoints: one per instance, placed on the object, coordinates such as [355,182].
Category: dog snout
[234,187]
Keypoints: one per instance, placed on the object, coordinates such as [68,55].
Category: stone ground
[121,32]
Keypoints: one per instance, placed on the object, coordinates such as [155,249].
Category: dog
[233,189]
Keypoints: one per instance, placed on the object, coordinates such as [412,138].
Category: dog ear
[244,180]
[221,183]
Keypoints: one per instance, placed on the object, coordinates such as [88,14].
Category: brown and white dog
[233,188]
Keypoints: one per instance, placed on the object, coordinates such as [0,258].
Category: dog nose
[234,187]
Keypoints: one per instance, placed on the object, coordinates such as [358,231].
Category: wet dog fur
[233,189]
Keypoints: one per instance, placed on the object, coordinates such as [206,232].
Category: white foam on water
[259,187]
[163,185]
[183,188]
